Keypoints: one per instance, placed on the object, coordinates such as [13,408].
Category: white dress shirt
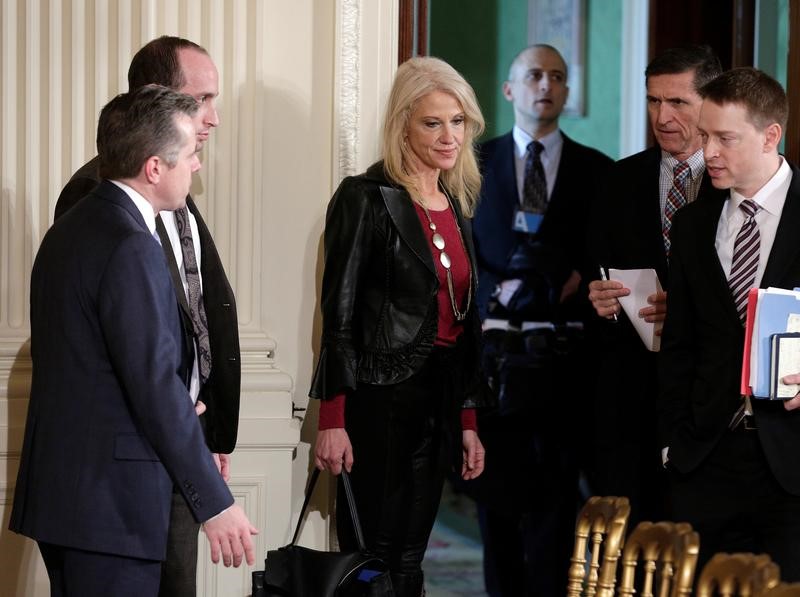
[142,204]
[551,157]
[770,198]
[168,218]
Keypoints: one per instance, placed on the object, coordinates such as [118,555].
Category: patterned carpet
[453,561]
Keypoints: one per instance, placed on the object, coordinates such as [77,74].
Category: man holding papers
[734,472]
[631,220]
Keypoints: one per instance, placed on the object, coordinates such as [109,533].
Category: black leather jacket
[379,308]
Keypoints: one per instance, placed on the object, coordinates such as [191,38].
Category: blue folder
[773,314]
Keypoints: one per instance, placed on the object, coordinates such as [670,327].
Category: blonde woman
[398,372]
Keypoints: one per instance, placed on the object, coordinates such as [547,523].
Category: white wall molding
[293,123]
[347,87]
[61,62]
[366,59]
[633,124]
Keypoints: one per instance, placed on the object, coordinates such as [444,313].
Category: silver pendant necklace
[444,259]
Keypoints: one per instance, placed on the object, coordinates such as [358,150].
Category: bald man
[529,232]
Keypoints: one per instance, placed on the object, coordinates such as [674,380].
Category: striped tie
[745,257]
[676,198]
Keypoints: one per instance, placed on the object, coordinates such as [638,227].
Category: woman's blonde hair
[415,79]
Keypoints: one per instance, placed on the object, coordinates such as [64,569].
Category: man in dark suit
[186,67]
[631,231]
[529,231]
[734,473]
[111,427]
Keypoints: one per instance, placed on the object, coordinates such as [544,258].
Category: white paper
[788,364]
[642,283]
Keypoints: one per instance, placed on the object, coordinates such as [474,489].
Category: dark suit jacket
[560,247]
[562,234]
[701,354]
[626,234]
[110,427]
[220,393]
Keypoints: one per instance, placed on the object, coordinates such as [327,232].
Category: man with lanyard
[529,231]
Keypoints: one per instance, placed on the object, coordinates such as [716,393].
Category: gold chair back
[600,532]
[738,574]
[668,552]
[784,590]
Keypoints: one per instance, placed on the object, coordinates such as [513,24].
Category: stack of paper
[772,343]
[642,283]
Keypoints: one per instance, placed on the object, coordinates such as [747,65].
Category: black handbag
[295,571]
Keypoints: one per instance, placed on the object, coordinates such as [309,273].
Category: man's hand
[604,295]
[199,407]
[228,533]
[793,403]
[332,449]
[473,455]
[657,310]
[223,462]
[507,290]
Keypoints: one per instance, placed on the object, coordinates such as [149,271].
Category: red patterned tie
[676,198]
[746,250]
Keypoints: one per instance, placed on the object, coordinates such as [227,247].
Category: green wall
[481,37]
[772,41]
[773,38]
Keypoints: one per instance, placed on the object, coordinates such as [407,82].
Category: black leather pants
[401,449]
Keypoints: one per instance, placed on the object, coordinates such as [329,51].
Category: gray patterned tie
[197,310]
[534,187]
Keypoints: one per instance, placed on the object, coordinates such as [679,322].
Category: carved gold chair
[783,590]
[600,531]
[668,551]
[738,574]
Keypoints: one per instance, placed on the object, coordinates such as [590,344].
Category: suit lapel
[401,209]
[785,248]
[563,172]
[208,252]
[172,265]
[508,173]
[501,190]
[706,251]
[652,175]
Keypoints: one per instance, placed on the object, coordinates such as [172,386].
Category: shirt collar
[551,141]
[696,162]
[142,204]
[766,197]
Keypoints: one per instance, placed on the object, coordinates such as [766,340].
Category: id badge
[527,221]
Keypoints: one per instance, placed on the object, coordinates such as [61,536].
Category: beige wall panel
[302,86]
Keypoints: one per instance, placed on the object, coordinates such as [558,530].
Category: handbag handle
[351,504]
